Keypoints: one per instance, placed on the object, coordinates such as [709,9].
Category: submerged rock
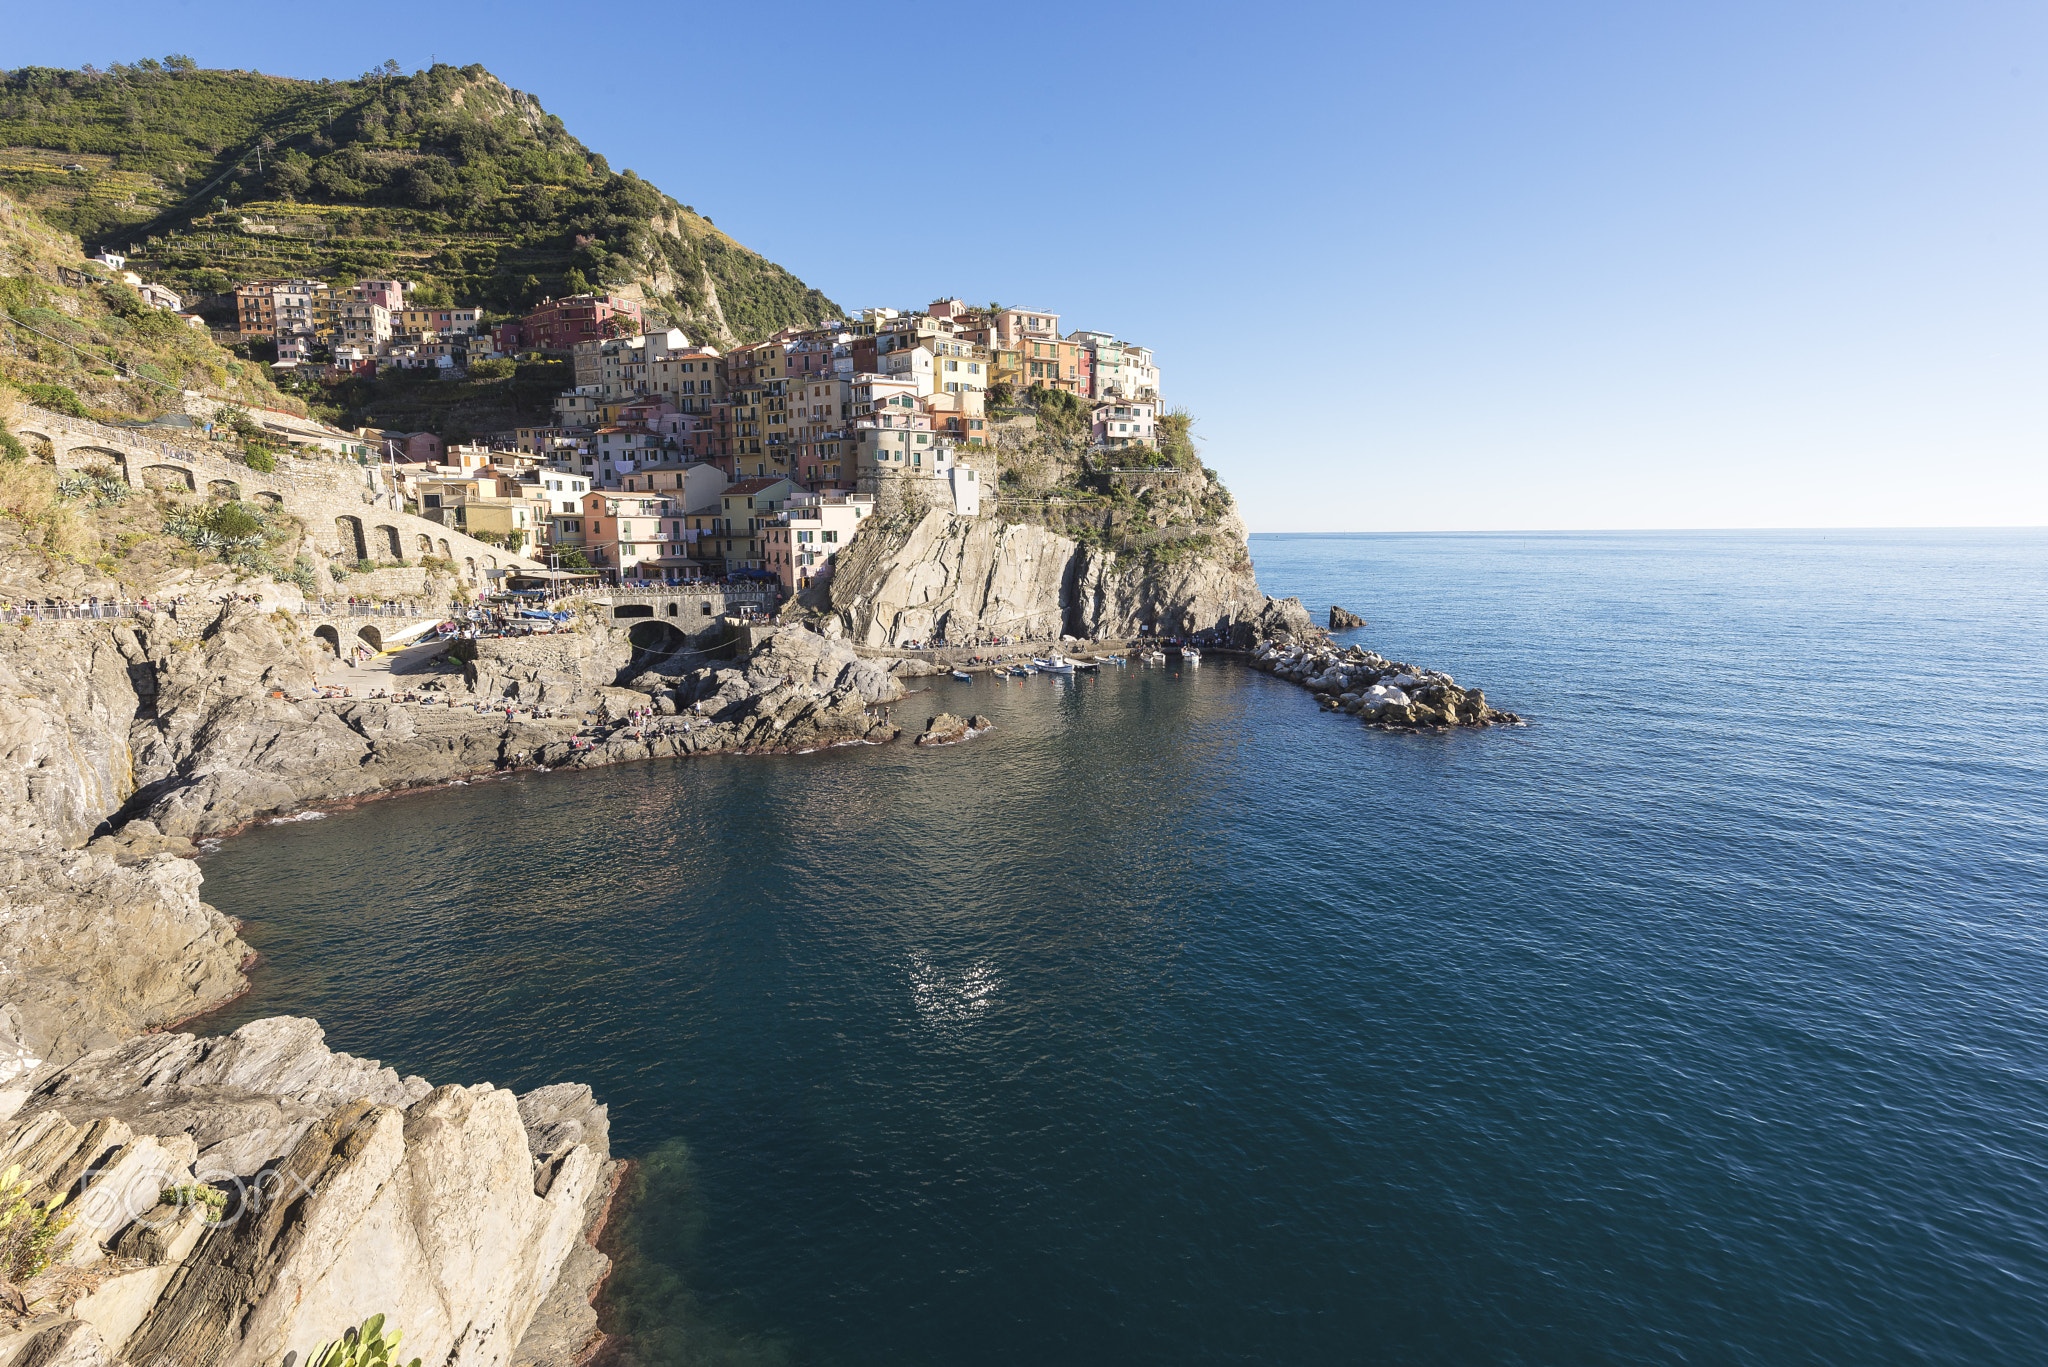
[1341,620]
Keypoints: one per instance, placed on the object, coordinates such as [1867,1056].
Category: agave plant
[364,1347]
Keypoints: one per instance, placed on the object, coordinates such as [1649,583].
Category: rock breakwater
[1388,694]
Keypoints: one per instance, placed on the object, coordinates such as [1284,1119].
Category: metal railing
[109,609]
[331,607]
[90,610]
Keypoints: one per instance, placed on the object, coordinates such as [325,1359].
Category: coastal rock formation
[455,1210]
[1379,691]
[67,699]
[92,952]
[798,691]
[959,577]
[1343,620]
[947,729]
[1277,619]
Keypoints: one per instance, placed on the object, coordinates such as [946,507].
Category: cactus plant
[364,1347]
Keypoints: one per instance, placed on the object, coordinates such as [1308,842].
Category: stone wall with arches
[348,514]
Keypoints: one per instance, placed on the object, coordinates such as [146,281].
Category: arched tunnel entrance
[330,638]
[652,640]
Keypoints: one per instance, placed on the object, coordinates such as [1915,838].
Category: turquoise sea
[1704,1020]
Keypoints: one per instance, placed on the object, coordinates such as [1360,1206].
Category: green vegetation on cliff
[1161,507]
[91,348]
[447,176]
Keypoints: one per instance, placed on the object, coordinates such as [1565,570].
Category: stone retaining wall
[347,513]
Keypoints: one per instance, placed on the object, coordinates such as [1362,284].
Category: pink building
[388,293]
[413,448]
[802,544]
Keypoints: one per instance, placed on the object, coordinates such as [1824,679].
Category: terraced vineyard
[446,176]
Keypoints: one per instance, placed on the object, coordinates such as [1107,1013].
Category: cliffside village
[669,460]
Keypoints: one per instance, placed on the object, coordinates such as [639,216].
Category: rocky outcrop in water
[1343,620]
[947,729]
[459,1212]
[1379,691]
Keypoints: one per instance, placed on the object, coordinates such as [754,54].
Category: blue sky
[1411,266]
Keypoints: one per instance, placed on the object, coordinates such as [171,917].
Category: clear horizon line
[1581,531]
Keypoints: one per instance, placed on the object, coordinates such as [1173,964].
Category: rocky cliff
[458,1212]
[959,577]
[1072,539]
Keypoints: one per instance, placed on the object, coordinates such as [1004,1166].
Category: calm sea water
[1705,1020]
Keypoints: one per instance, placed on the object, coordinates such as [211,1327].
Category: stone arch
[349,531]
[41,444]
[490,562]
[223,488]
[624,610]
[167,477]
[330,636]
[387,542]
[269,499]
[372,638]
[426,544]
[655,638]
[446,554]
[674,608]
[79,457]
[469,563]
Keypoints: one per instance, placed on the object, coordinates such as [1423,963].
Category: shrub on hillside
[55,397]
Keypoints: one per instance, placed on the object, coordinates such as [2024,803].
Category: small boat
[1022,671]
[1191,655]
[1056,665]
[1086,666]
[963,674]
[1110,660]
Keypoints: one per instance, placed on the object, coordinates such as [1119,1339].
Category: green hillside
[447,176]
[84,344]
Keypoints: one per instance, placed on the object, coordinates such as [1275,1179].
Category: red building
[559,324]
